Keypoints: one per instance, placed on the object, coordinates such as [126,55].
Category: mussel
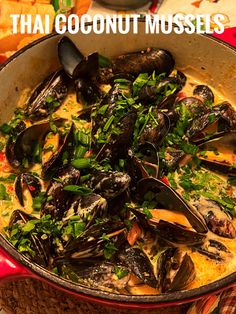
[217,220]
[105,275]
[47,97]
[109,184]
[37,248]
[28,182]
[87,93]
[74,63]
[218,120]
[165,197]
[218,154]
[88,208]
[93,241]
[175,270]
[118,144]
[163,94]
[139,264]
[215,250]
[156,129]
[158,60]
[204,93]
[58,200]
[62,155]
[20,150]
[108,106]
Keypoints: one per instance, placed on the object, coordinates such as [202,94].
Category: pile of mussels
[116,198]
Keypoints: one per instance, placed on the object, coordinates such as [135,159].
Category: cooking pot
[123,4]
[206,58]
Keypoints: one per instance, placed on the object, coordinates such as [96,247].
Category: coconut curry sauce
[122,177]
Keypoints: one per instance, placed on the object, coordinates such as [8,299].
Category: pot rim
[103,296]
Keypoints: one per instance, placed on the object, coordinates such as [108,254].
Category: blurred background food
[10,42]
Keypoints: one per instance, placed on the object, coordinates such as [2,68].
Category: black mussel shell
[194,105]
[58,200]
[47,97]
[175,270]
[22,148]
[167,198]
[218,154]
[158,60]
[156,130]
[66,146]
[215,250]
[86,92]
[118,145]
[99,275]
[40,247]
[204,92]
[91,242]
[109,184]
[74,63]
[29,181]
[222,116]
[139,264]
[88,208]
[109,103]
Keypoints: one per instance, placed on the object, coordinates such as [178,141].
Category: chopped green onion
[108,123]
[78,189]
[81,163]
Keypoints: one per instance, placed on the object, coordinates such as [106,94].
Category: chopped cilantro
[3,193]
[121,272]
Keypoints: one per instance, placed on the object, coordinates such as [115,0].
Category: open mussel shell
[144,165]
[47,97]
[40,247]
[175,270]
[74,63]
[204,93]
[158,60]
[28,181]
[139,264]
[22,148]
[220,119]
[91,242]
[66,146]
[169,199]
[58,201]
[218,154]
[215,250]
[100,275]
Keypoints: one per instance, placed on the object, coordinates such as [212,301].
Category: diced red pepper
[88,154]
[31,188]
[10,188]
[2,157]
[134,233]
[181,95]
[165,180]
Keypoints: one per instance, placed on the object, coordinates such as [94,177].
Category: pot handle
[10,269]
